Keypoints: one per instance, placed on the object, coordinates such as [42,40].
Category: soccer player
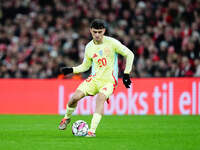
[102,54]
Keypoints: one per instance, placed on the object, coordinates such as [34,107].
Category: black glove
[126,80]
[66,70]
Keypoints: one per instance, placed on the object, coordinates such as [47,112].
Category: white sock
[95,121]
[69,111]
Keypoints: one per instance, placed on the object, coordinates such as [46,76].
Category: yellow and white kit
[104,61]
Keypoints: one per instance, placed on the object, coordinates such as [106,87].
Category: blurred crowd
[37,37]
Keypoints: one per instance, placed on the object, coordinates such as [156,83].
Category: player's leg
[100,100]
[84,89]
[71,106]
[104,94]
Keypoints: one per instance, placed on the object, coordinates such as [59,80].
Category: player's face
[97,34]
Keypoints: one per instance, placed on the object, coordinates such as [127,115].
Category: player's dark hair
[99,24]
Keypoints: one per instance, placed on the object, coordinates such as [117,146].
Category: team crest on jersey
[106,51]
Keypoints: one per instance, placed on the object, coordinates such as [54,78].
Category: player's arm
[86,64]
[128,54]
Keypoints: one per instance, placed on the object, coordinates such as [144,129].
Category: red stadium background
[159,96]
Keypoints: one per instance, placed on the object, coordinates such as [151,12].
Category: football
[80,128]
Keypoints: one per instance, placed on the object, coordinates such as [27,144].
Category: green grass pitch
[40,132]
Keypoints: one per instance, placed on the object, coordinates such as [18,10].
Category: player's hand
[126,80]
[66,70]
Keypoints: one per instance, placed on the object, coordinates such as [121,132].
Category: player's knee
[76,97]
[73,101]
[101,98]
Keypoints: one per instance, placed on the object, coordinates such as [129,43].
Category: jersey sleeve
[127,53]
[86,64]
